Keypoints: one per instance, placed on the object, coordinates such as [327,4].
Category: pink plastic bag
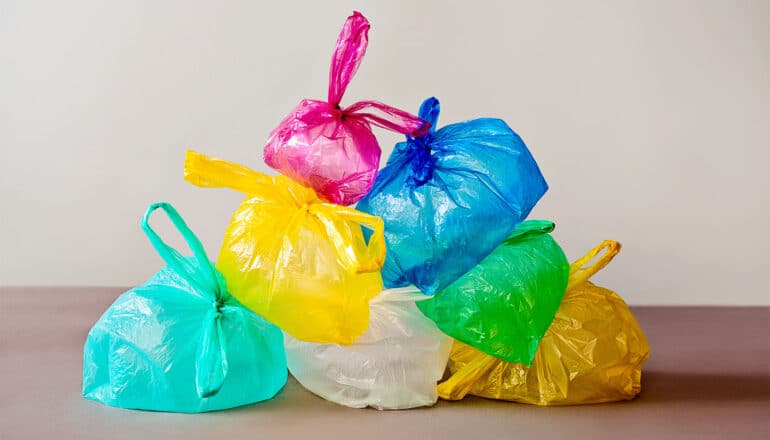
[331,149]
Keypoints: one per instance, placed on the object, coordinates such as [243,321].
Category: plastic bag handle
[579,274]
[429,111]
[462,381]
[348,54]
[387,117]
[531,226]
[205,274]
[210,172]
[373,257]
[211,365]
[211,361]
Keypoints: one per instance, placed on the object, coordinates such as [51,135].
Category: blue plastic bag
[450,197]
[180,342]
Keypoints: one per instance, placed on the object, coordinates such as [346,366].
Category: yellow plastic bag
[301,263]
[593,351]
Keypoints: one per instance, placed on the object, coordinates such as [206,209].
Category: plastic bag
[180,342]
[331,149]
[394,365]
[301,263]
[592,353]
[449,198]
[504,305]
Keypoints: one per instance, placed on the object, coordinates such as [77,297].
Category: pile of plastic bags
[436,274]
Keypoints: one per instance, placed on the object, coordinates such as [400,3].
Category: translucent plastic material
[180,342]
[592,353]
[333,149]
[504,305]
[450,197]
[394,365]
[301,263]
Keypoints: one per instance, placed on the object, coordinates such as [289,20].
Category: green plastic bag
[180,342]
[505,304]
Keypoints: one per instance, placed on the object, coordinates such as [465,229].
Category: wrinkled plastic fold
[394,365]
[505,304]
[180,342]
[593,351]
[301,263]
[463,187]
[332,149]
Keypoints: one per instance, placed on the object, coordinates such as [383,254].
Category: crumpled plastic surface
[592,353]
[301,263]
[394,365]
[180,342]
[332,149]
[505,304]
[450,197]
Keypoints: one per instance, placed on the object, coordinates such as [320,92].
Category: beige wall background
[648,118]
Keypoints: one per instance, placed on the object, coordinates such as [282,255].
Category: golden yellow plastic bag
[593,351]
[301,263]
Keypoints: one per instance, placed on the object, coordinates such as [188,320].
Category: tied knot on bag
[423,158]
[217,304]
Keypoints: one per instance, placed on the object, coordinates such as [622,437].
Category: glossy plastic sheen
[504,305]
[333,149]
[301,263]
[180,342]
[450,197]
[394,365]
[592,353]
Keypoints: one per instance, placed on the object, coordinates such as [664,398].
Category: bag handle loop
[373,257]
[531,226]
[204,275]
[348,54]
[211,365]
[429,111]
[462,381]
[387,117]
[211,361]
[579,273]
[210,172]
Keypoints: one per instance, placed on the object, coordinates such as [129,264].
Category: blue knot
[422,161]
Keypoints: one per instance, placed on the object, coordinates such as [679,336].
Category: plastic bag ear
[211,360]
[373,257]
[350,51]
[579,272]
[531,227]
[429,111]
[204,272]
[462,381]
[210,172]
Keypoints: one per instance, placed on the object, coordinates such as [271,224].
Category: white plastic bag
[394,365]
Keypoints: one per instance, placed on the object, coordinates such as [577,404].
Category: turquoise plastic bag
[450,197]
[180,342]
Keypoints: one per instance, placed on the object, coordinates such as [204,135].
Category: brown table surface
[708,377]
